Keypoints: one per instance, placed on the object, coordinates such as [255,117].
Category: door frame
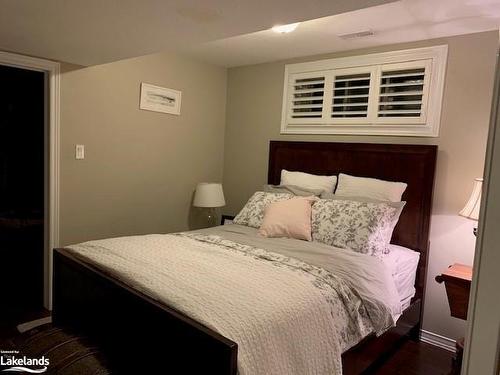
[52,69]
[482,344]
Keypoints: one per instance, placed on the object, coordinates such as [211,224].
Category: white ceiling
[89,32]
[401,21]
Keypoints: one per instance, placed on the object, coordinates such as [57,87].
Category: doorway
[32,225]
[23,189]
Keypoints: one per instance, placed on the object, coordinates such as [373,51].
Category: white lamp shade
[471,209]
[209,194]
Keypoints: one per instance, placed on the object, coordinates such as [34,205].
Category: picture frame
[160,99]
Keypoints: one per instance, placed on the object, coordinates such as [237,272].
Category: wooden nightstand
[457,279]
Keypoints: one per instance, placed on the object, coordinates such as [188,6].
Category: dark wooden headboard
[413,164]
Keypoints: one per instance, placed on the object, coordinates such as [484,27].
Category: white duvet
[291,306]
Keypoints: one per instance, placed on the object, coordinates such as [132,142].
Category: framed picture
[226,220]
[160,99]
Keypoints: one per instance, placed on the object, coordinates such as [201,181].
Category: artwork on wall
[160,99]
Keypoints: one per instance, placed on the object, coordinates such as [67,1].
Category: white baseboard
[437,340]
[34,323]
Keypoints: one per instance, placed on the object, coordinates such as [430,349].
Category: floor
[418,358]
[413,358]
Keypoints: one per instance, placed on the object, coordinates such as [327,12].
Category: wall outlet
[80,152]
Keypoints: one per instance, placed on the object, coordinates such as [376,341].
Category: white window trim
[437,55]
[52,68]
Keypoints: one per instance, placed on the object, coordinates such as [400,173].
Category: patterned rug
[57,352]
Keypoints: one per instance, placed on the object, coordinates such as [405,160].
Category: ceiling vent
[358,34]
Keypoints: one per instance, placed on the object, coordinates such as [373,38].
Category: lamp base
[211,218]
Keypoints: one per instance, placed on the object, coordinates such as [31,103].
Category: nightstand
[226,219]
[457,279]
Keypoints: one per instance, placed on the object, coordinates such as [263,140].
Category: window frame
[427,125]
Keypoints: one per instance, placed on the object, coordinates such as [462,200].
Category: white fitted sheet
[402,263]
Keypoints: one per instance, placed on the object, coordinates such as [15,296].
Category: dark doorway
[23,148]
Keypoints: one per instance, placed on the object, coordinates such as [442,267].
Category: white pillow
[308,181]
[351,186]
[295,190]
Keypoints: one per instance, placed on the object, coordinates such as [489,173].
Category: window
[394,93]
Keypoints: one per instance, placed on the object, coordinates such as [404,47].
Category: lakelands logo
[23,364]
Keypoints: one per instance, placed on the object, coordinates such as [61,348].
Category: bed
[139,331]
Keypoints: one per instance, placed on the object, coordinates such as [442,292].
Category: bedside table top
[459,271]
[457,279]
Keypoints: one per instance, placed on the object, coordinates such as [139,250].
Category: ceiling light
[281,29]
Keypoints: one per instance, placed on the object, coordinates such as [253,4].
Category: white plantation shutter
[351,93]
[403,91]
[306,96]
[394,93]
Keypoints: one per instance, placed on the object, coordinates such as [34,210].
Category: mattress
[261,293]
[403,264]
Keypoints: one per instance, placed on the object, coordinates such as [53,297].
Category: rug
[51,350]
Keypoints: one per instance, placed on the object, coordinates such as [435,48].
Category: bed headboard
[413,164]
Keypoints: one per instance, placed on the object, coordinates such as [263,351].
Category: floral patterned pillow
[252,214]
[364,227]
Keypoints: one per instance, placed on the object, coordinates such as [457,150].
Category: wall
[253,118]
[140,167]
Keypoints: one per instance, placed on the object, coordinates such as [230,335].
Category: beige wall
[253,118]
[141,167]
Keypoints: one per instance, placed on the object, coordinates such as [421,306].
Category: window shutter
[403,91]
[307,92]
[351,93]
[391,93]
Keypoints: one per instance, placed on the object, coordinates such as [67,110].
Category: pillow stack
[360,216]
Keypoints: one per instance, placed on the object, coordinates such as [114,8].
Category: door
[23,149]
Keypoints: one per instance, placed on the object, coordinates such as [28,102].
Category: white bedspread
[287,316]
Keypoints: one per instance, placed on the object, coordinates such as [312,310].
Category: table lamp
[471,209]
[209,195]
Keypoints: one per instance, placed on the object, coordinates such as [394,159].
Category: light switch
[80,152]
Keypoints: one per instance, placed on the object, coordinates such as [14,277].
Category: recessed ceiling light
[281,29]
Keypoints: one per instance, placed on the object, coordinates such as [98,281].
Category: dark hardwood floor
[417,358]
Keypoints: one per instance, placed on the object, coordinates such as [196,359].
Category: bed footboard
[134,331]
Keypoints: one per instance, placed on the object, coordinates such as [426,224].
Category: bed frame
[139,334]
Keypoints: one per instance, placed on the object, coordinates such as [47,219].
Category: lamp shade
[471,209]
[209,194]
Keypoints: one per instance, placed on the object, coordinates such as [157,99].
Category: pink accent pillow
[290,218]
